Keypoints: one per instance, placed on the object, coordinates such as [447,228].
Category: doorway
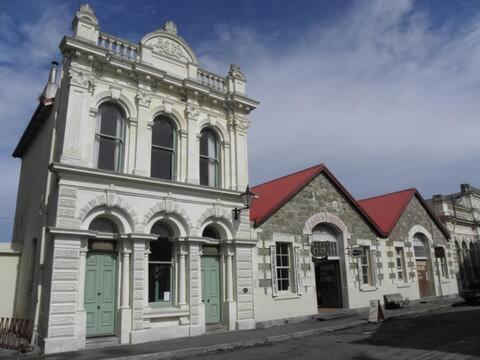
[100,293]
[211,288]
[422,274]
[328,284]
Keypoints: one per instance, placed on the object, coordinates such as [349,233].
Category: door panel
[211,288]
[100,293]
[327,281]
[422,278]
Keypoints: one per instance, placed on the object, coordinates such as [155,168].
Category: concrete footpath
[177,348]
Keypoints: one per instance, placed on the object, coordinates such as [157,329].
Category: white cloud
[25,53]
[380,95]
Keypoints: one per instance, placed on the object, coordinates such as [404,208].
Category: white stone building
[460,213]
[131,167]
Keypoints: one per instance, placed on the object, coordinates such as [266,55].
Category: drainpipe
[436,263]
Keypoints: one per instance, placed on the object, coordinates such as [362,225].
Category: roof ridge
[387,194]
[291,174]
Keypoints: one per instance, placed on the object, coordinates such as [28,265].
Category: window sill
[446,281]
[368,288]
[164,312]
[404,285]
[286,296]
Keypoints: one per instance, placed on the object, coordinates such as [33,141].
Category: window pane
[110,120]
[204,143]
[161,164]
[159,276]
[212,146]
[162,133]
[107,153]
[210,232]
[160,250]
[161,230]
[102,224]
[204,171]
[212,172]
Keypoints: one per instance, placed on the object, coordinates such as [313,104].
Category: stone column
[193,149]
[145,293]
[81,279]
[229,277]
[125,279]
[144,136]
[181,276]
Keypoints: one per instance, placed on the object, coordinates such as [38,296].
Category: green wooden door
[211,288]
[100,293]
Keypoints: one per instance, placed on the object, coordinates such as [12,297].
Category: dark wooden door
[327,281]
[422,275]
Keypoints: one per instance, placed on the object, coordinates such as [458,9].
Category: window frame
[206,157]
[366,254]
[119,164]
[162,303]
[288,267]
[400,268]
[172,151]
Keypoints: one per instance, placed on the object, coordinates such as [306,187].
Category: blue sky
[384,92]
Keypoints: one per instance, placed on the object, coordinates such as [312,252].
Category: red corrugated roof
[387,209]
[381,212]
[273,194]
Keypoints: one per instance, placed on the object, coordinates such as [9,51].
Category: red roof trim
[259,216]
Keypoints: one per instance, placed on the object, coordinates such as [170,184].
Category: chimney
[53,73]
[51,88]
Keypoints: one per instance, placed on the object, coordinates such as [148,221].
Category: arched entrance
[211,286]
[421,250]
[324,249]
[101,279]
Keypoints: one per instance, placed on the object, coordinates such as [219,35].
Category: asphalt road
[450,334]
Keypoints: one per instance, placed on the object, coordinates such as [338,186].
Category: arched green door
[100,293]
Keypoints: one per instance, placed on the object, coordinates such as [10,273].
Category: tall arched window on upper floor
[209,172]
[109,138]
[163,149]
[160,271]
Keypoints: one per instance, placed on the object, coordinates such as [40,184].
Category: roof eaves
[33,127]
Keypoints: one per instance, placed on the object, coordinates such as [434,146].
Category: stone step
[102,341]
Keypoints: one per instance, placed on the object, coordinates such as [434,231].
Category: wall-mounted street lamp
[247,198]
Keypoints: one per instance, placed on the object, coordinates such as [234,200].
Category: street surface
[450,334]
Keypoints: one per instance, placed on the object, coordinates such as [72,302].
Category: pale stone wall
[9,263]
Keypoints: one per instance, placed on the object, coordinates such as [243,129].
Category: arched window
[103,224]
[163,149]
[109,138]
[210,232]
[160,265]
[420,246]
[208,158]
[324,241]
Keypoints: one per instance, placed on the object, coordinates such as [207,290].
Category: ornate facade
[135,159]
[460,212]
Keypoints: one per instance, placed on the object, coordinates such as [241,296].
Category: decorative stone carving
[170,27]
[170,48]
[236,73]
[143,99]
[82,79]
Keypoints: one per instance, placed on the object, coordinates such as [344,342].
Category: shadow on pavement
[450,332]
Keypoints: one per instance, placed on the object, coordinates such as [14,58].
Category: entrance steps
[101,342]
[211,329]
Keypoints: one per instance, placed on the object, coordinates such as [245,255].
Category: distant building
[318,247]
[460,212]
